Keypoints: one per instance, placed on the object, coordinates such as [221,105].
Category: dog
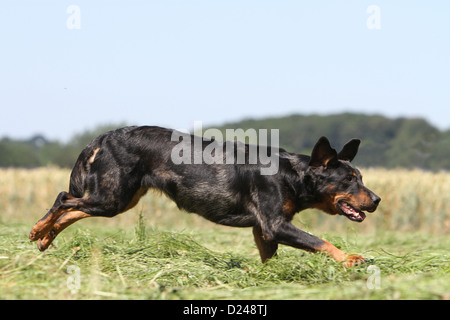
[117,168]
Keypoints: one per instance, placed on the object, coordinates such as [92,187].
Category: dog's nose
[376,199]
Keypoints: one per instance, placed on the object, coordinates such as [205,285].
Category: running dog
[117,168]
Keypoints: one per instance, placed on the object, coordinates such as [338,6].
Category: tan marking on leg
[137,196]
[341,256]
[44,225]
[62,223]
[334,252]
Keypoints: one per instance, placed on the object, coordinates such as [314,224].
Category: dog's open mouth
[351,212]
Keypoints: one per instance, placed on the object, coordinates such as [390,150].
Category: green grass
[213,262]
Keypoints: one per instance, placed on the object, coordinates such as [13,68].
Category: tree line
[39,151]
[390,143]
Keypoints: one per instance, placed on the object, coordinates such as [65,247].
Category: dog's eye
[350,178]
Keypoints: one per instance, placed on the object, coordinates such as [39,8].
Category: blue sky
[171,63]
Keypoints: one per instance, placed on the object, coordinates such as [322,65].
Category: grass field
[156,252]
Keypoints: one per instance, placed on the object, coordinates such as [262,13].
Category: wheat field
[411,201]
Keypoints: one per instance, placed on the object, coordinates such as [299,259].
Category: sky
[68,66]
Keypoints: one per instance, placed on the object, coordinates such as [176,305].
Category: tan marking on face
[328,204]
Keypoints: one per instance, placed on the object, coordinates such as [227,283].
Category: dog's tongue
[352,212]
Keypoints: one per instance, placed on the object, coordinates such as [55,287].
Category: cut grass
[215,263]
[186,257]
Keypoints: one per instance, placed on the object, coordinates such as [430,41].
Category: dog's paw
[45,242]
[354,260]
[37,232]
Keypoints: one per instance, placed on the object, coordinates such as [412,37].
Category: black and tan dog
[116,169]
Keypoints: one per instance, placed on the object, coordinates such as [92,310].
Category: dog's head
[337,183]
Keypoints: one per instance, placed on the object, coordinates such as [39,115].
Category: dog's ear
[350,150]
[323,155]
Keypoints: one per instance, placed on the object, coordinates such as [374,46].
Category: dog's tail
[78,186]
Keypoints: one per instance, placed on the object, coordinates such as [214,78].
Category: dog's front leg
[341,256]
[287,234]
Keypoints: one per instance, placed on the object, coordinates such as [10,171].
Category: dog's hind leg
[63,222]
[267,249]
[45,224]
[68,209]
